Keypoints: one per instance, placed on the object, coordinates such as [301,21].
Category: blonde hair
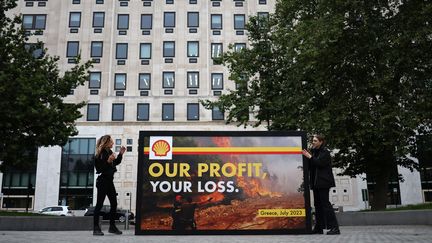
[102,143]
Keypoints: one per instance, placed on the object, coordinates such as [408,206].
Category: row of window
[124,2]
[168,51]
[38,21]
[143,112]
[169,20]
[144,80]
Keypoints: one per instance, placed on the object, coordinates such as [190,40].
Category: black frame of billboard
[142,134]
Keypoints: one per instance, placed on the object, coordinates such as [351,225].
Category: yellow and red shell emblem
[161,148]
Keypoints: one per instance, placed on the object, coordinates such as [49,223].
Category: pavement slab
[387,233]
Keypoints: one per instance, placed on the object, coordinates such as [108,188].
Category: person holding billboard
[105,164]
[321,180]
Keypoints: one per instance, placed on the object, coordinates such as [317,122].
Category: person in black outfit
[176,213]
[321,180]
[105,164]
[188,213]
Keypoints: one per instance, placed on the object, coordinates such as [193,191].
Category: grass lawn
[421,206]
[412,207]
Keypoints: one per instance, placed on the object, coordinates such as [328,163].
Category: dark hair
[320,138]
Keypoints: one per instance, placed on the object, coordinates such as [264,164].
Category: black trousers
[324,213]
[105,187]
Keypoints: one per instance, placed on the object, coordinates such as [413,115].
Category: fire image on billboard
[196,182]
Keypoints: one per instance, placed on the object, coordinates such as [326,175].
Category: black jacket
[320,169]
[103,167]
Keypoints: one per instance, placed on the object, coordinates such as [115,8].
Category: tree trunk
[379,201]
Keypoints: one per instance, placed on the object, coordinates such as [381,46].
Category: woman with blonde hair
[105,164]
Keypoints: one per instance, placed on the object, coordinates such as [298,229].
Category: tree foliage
[357,71]
[33,112]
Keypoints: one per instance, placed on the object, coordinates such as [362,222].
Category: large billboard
[222,183]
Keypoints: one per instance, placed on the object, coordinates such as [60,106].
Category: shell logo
[161,148]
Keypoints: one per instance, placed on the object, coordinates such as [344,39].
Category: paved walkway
[393,234]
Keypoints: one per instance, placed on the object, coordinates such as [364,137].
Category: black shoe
[334,231]
[113,229]
[318,231]
[97,230]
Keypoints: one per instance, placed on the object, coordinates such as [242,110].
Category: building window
[77,173]
[217,81]
[216,50]
[168,80]
[169,1]
[193,80]
[262,1]
[192,1]
[93,112]
[193,19]
[217,114]
[143,112]
[193,112]
[120,81]
[144,81]
[121,50]
[72,49]
[192,48]
[118,112]
[239,21]
[35,49]
[216,21]
[98,19]
[15,178]
[239,46]
[169,19]
[168,49]
[263,15]
[146,21]
[95,80]
[145,51]
[242,82]
[76,1]
[123,22]
[99,1]
[167,112]
[34,22]
[96,49]
[75,19]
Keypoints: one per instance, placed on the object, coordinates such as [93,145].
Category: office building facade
[153,63]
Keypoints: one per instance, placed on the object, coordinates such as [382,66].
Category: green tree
[359,72]
[33,112]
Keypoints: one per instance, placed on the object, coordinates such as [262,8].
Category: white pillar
[410,189]
[47,177]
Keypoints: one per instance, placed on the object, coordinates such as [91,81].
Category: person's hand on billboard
[306,153]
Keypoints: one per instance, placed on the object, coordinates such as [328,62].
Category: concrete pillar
[410,189]
[47,177]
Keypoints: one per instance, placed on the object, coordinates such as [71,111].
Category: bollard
[127,220]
